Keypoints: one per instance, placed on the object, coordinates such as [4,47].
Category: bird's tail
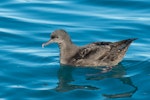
[128,41]
[132,39]
[125,43]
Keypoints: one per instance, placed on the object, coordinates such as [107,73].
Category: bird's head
[58,36]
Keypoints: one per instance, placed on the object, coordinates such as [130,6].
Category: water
[29,72]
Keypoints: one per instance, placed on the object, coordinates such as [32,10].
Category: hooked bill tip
[43,45]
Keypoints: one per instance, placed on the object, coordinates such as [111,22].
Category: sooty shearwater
[94,54]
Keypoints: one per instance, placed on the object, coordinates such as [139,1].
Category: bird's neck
[67,50]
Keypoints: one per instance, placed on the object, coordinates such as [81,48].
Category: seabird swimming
[94,54]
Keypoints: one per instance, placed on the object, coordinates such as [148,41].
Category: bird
[91,55]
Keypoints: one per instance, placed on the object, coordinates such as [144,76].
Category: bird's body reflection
[65,77]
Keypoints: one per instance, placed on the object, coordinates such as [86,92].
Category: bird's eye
[52,37]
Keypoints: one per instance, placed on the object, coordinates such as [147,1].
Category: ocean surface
[30,72]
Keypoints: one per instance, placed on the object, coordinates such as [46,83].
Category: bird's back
[101,53]
[116,52]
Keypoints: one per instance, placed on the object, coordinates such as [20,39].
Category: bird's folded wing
[92,49]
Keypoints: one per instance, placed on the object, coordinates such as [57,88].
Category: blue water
[29,72]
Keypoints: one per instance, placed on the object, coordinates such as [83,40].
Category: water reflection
[65,77]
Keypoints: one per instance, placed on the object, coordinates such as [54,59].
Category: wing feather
[91,49]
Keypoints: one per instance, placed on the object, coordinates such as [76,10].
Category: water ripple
[36,72]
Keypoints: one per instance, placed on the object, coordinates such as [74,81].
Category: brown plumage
[94,54]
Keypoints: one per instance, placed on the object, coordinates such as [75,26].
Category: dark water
[29,72]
